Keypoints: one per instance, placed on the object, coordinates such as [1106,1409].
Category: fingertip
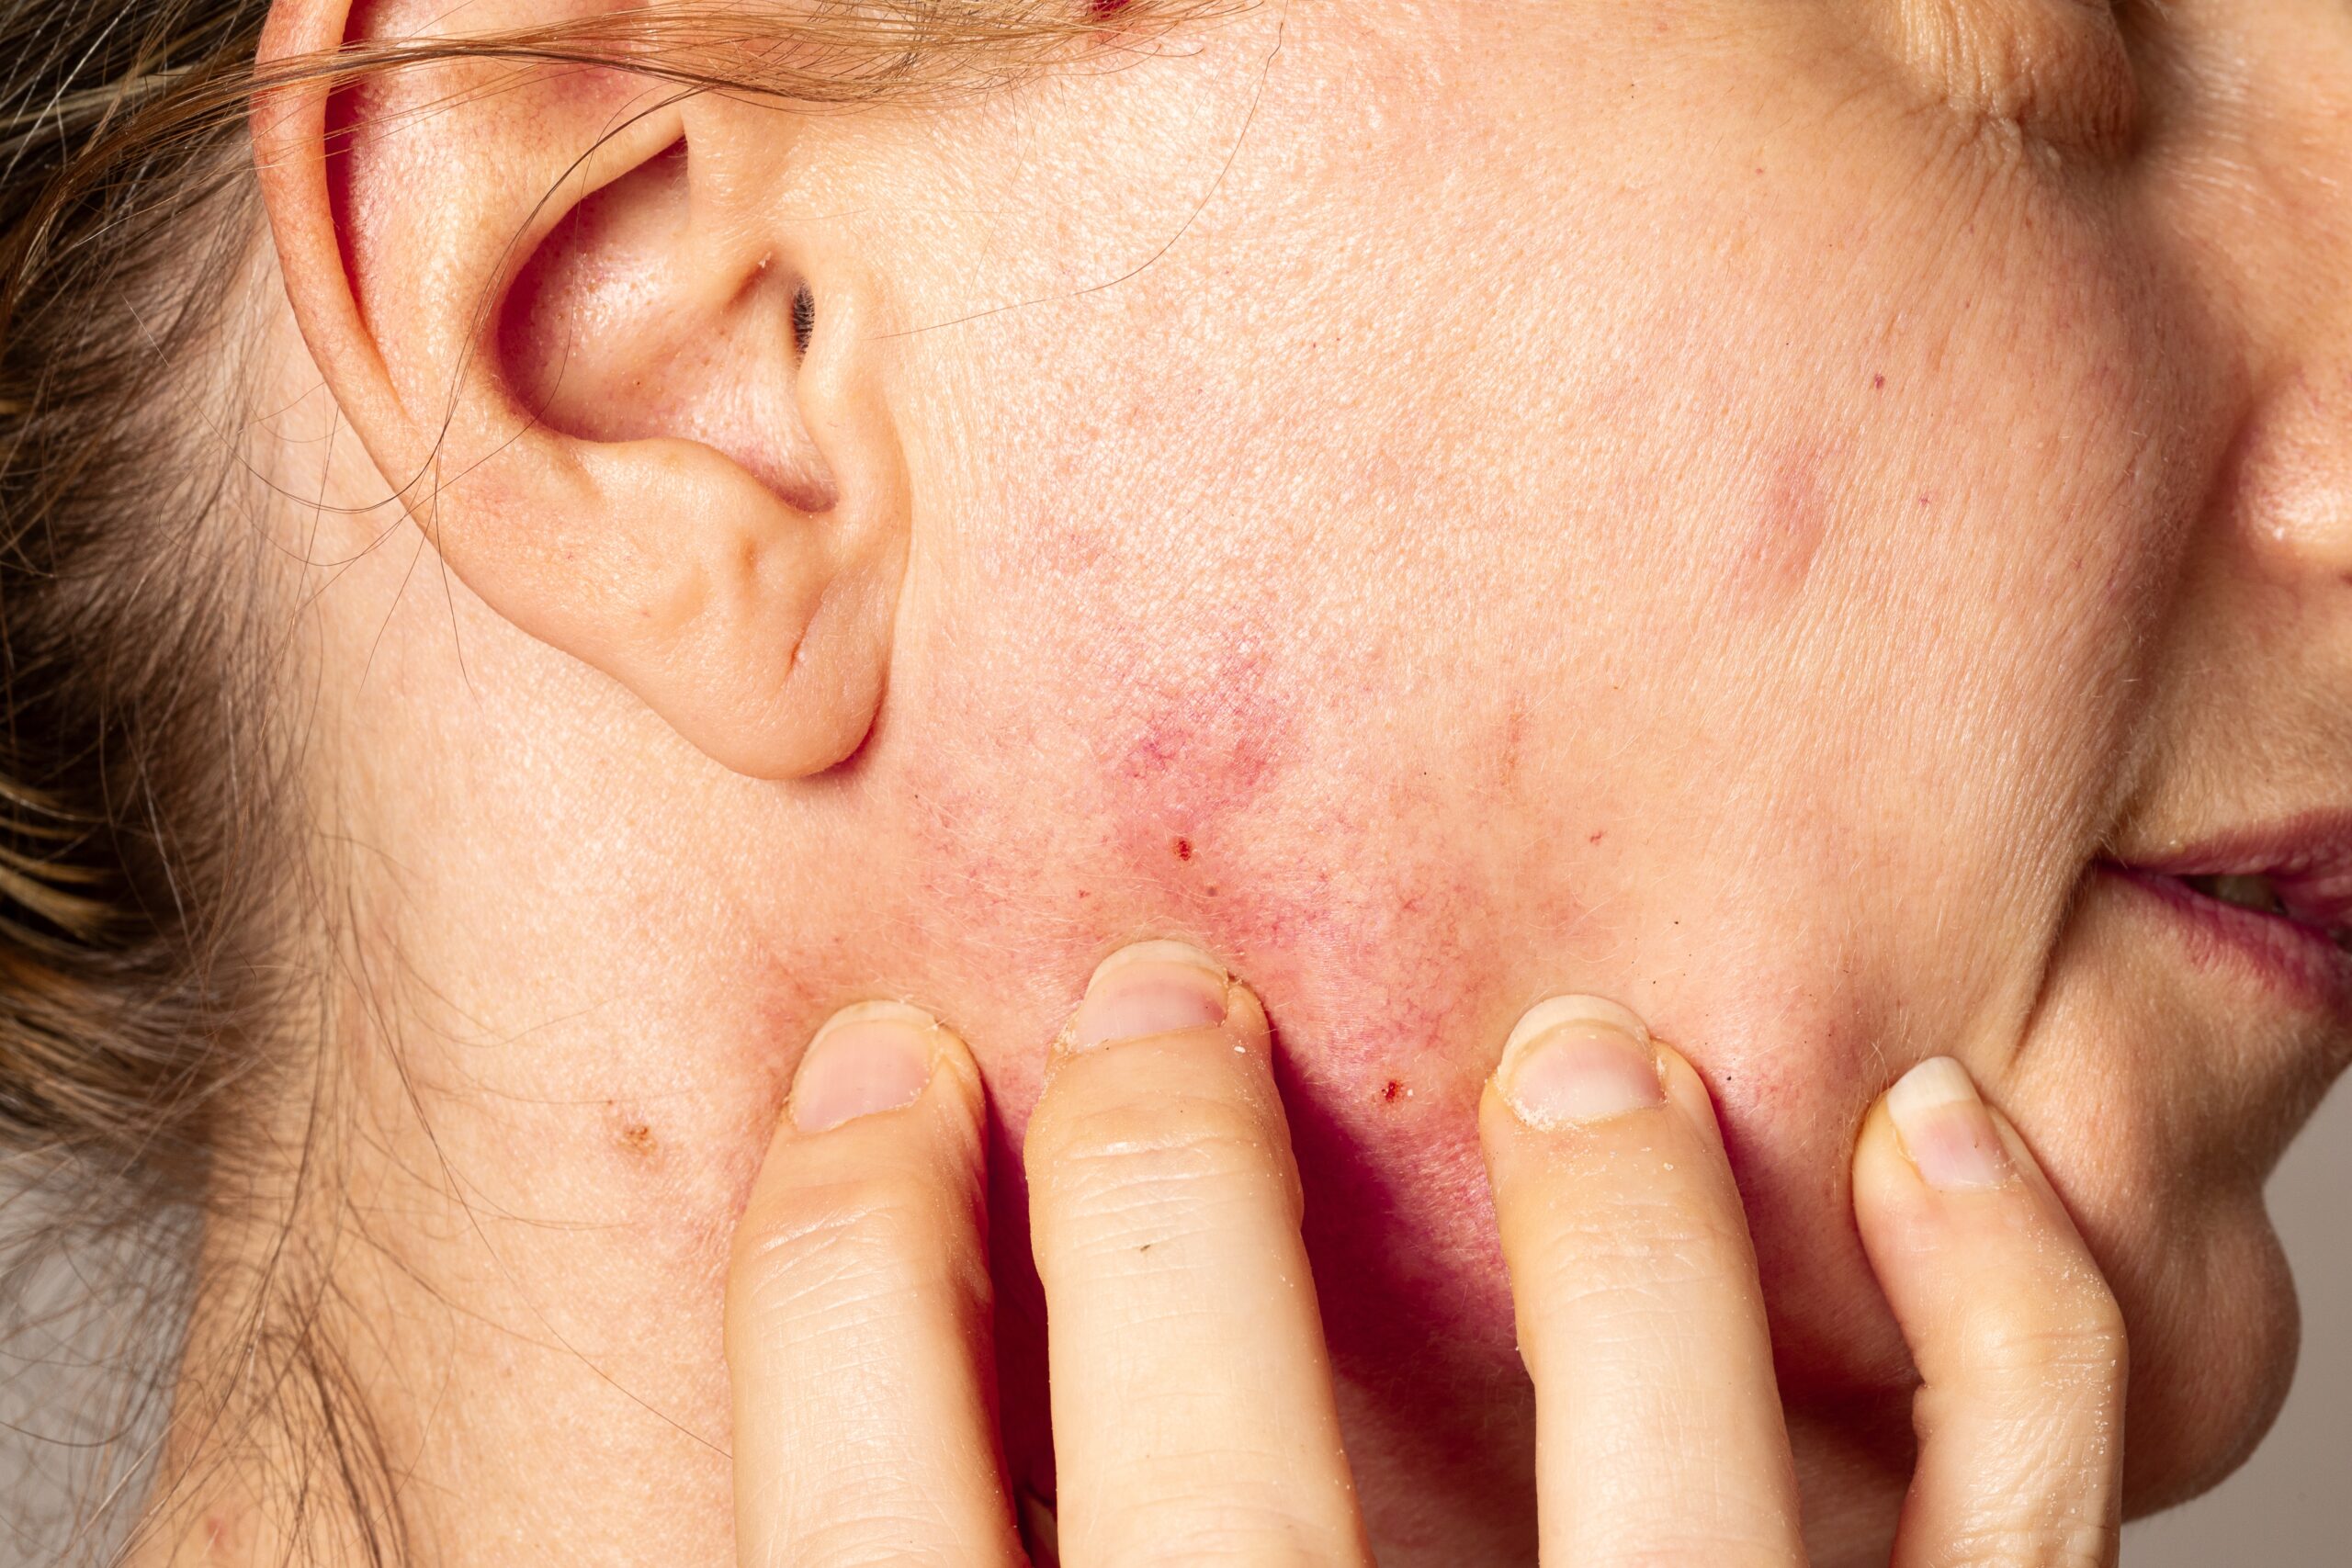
[870,1058]
[1580,1062]
[1610,1186]
[1689,1092]
[1575,1061]
[1245,1016]
[1148,989]
[2016,1334]
[1958,1221]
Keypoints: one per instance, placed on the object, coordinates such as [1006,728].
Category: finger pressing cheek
[857,1312]
[1659,1428]
[2018,1340]
[1193,1418]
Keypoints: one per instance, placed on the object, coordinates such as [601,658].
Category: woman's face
[1711,510]
[1753,510]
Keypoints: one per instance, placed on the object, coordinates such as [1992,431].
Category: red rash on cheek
[1202,751]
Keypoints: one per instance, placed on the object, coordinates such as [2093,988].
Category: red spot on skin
[1597,838]
[1878,383]
[1391,1090]
[1203,748]
[1184,849]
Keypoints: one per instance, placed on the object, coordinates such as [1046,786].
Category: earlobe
[565,321]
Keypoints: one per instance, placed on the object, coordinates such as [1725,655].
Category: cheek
[1397,891]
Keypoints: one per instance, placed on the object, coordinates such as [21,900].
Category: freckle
[1184,849]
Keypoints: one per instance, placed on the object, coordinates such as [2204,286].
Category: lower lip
[2293,961]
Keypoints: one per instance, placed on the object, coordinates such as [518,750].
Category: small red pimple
[1391,1090]
[1184,849]
[1878,383]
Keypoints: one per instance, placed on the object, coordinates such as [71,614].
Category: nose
[2271,213]
[2294,501]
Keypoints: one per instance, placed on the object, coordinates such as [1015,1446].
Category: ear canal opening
[625,325]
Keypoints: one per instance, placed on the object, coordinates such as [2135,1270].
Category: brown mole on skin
[633,1133]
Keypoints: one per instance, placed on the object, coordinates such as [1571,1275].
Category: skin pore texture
[1744,510]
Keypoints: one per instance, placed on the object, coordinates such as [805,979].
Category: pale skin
[1194,1411]
[1812,521]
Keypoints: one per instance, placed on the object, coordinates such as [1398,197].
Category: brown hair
[147,948]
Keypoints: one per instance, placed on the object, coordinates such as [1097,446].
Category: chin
[2212,1360]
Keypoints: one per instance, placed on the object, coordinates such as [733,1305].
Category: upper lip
[2307,860]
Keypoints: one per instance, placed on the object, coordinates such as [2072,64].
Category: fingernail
[1579,1059]
[1152,987]
[873,1056]
[1944,1127]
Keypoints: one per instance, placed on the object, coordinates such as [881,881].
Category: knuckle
[1214,1533]
[1143,1163]
[834,1249]
[1695,1555]
[2066,1326]
[1644,1245]
[877,1541]
[2006,1544]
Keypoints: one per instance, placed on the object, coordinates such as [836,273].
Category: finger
[1657,1424]
[1192,1411]
[857,1312]
[2016,1336]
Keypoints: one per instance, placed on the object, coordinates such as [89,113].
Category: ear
[640,416]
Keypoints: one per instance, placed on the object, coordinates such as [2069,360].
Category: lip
[2298,954]
[2298,964]
[2307,858]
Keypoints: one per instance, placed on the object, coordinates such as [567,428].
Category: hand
[1193,1406]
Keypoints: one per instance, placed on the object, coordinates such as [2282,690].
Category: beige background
[2291,1506]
